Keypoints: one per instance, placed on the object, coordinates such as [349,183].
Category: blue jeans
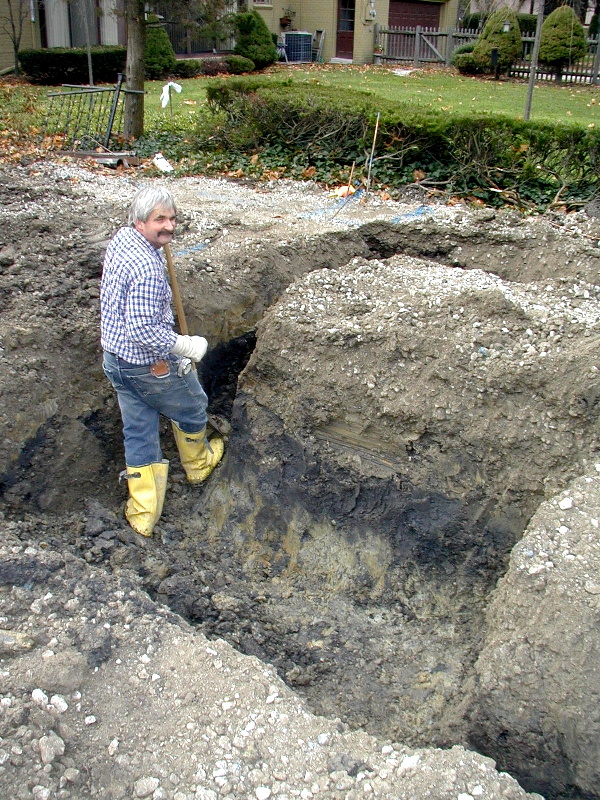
[143,397]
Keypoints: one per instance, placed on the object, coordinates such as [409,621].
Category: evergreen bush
[464,61]
[159,55]
[472,22]
[527,24]
[563,40]
[508,44]
[52,66]
[237,65]
[187,68]
[594,27]
[254,39]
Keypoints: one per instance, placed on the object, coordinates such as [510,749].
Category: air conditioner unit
[298,45]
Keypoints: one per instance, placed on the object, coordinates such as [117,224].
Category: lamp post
[534,59]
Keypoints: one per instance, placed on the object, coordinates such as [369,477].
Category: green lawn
[24,106]
[433,88]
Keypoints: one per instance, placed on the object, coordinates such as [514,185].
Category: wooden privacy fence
[421,46]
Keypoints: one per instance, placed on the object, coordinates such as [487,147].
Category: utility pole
[534,59]
[133,121]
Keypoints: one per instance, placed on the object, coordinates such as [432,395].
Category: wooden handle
[175,289]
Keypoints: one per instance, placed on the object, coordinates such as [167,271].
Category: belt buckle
[160,368]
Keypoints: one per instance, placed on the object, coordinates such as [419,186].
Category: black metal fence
[421,46]
[86,118]
[186,40]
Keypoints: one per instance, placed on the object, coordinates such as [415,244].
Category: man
[148,363]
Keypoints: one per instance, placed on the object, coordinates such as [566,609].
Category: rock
[12,642]
[592,208]
[51,747]
[145,786]
[7,256]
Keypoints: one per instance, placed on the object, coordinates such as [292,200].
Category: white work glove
[193,347]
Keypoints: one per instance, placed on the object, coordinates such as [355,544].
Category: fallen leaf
[343,191]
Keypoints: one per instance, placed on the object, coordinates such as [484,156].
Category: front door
[344,46]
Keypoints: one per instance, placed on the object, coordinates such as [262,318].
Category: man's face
[159,227]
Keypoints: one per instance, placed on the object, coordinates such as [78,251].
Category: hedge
[501,160]
[52,66]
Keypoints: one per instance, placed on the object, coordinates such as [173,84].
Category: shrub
[563,40]
[55,65]
[464,48]
[472,22]
[527,24]
[594,27]
[287,117]
[213,66]
[254,39]
[500,160]
[237,65]
[465,61]
[493,37]
[159,54]
[186,68]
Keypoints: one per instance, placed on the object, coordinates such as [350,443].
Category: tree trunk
[16,55]
[133,124]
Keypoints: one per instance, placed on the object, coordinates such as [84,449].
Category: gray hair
[146,200]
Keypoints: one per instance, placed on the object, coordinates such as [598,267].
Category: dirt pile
[537,674]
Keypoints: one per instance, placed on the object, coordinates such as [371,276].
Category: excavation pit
[411,389]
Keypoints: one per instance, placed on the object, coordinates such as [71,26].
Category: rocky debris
[535,702]
[121,698]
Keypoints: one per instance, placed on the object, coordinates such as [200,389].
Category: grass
[432,88]
[24,106]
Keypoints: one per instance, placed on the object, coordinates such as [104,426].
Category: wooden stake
[372,154]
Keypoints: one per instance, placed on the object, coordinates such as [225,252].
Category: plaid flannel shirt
[136,319]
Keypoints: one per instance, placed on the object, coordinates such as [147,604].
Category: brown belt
[160,368]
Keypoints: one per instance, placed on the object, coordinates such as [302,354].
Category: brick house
[57,23]
[349,25]
[30,36]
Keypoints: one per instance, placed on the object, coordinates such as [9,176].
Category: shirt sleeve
[148,316]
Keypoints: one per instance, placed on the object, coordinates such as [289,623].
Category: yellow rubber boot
[198,455]
[160,470]
[147,486]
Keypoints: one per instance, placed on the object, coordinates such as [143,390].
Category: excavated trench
[394,663]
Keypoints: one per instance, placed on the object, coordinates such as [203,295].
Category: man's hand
[193,347]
